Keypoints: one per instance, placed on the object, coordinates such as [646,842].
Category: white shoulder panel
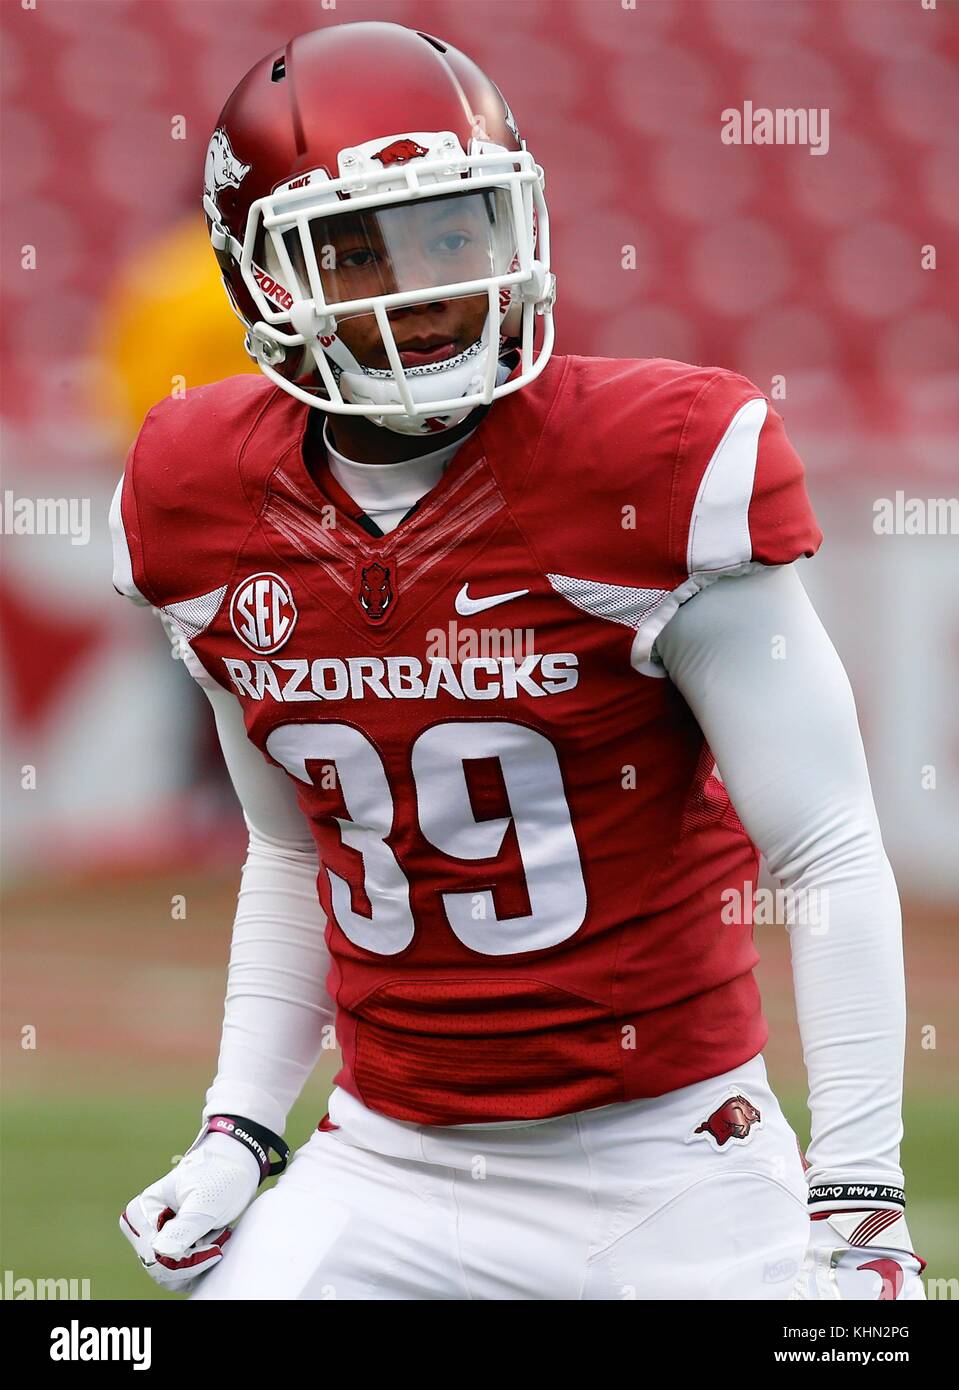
[122,566]
[719,529]
[719,540]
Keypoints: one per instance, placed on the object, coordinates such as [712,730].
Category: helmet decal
[400,152]
[508,116]
[271,287]
[222,169]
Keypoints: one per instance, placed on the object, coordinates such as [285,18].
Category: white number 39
[540,815]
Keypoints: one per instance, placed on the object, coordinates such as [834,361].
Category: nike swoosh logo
[467,606]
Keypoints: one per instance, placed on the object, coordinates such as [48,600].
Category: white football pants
[621,1202]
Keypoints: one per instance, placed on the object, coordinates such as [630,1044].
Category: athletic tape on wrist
[256,1138]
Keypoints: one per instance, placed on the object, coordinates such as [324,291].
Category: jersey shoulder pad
[739,488]
[650,471]
[185,505]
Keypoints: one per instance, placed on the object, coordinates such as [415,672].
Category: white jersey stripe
[719,528]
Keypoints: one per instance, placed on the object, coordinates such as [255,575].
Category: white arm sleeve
[768,689]
[278,1015]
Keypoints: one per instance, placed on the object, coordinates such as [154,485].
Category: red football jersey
[522,842]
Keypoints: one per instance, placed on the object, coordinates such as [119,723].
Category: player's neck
[364,442]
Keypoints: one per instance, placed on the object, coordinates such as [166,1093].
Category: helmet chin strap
[438,424]
[462,375]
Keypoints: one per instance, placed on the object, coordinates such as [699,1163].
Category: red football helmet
[385,242]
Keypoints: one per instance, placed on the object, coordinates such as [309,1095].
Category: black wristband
[257,1138]
[827,1196]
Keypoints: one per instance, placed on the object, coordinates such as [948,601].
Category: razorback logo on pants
[734,1119]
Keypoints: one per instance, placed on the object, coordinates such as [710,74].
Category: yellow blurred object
[166,322]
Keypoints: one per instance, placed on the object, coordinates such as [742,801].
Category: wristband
[254,1137]
[828,1196]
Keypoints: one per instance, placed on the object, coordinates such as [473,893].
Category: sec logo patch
[263,613]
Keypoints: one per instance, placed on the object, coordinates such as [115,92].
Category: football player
[514,677]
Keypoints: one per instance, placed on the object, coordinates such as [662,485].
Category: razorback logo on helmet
[510,119]
[222,169]
[734,1119]
[375,591]
[263,613]
[400,152]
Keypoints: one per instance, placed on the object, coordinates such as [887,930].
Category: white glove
[844,1260]
[179,1225]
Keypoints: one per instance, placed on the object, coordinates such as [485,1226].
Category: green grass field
[61,1202]
[127,1004]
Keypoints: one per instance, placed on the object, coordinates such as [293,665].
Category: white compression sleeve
[786,739]
[278,1015]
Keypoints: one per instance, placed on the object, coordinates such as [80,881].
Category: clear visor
[440,243]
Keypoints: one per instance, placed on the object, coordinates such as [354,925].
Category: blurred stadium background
[771,260]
